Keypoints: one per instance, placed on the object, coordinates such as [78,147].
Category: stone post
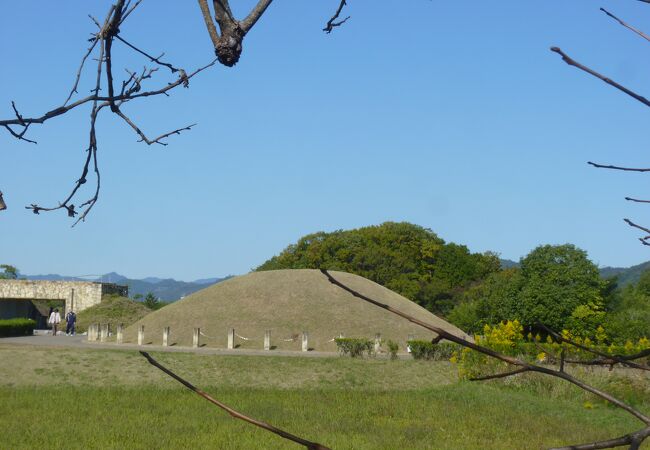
[196,338]
[409,338]
[166,332]
[267,340]
[141,335]
[91,330]
[231,338]
[120,333]
[377,342]
[305,341]
[103,334]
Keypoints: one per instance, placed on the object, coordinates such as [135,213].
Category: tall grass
[98,399]
[463,416]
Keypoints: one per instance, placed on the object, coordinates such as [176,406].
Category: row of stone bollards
[101,332]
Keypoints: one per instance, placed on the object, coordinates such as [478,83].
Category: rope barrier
[205,335]
[244,338]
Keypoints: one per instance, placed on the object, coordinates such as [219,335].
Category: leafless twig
[131,89]
[629,27]
[604,358]
[570,61]
[332,23]
[234,413]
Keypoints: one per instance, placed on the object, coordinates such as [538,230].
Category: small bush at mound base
[430,351]
[17,327]
[355,347]
[393,348]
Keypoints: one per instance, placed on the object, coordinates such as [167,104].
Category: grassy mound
[287,302]
[113,310]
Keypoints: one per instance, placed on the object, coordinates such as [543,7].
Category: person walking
[70,320]
[54,320]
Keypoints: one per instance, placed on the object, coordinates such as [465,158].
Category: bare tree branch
[130,90]
[73,91]
[628,169]
[634,440]
[151,58]
[332,23]
[567,59]
[255,15]
[209,24]
[144,138]
[617,359]
[234,413]
[630,199]
[500,375]
[629,27]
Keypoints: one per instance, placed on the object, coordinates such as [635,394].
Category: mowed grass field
[103,399]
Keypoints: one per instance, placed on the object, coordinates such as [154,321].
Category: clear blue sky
[451,115]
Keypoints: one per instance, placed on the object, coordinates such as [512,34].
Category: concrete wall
[78,295]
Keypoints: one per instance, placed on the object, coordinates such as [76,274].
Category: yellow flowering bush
[508,338]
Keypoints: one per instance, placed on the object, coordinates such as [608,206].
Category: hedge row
[17,327]
[429,351]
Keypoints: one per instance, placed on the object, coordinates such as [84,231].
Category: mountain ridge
[165,289]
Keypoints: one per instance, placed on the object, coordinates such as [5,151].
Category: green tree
[561,288]
[151,301]
[489,302]
[406,258]
[629,315]
[8,272]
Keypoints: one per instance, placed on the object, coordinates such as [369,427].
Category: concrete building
[33,298]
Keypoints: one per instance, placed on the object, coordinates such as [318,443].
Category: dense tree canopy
[556,285]
[406,258]
[561,287]
[489,302]
[629,311]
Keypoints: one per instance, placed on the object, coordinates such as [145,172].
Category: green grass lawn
[66,398]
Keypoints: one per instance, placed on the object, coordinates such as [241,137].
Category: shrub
[507,338]
[393,347]
[17,327]
[422,349]
[355,347]
[429,351]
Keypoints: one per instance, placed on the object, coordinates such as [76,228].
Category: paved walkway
[81,341]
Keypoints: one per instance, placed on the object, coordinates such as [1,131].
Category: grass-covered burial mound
[286,302]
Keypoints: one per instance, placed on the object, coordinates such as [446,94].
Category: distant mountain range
[626,275]
[166,289]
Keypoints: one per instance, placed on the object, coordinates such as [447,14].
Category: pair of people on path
[55,320]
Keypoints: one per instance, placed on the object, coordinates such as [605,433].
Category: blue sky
[451,115]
